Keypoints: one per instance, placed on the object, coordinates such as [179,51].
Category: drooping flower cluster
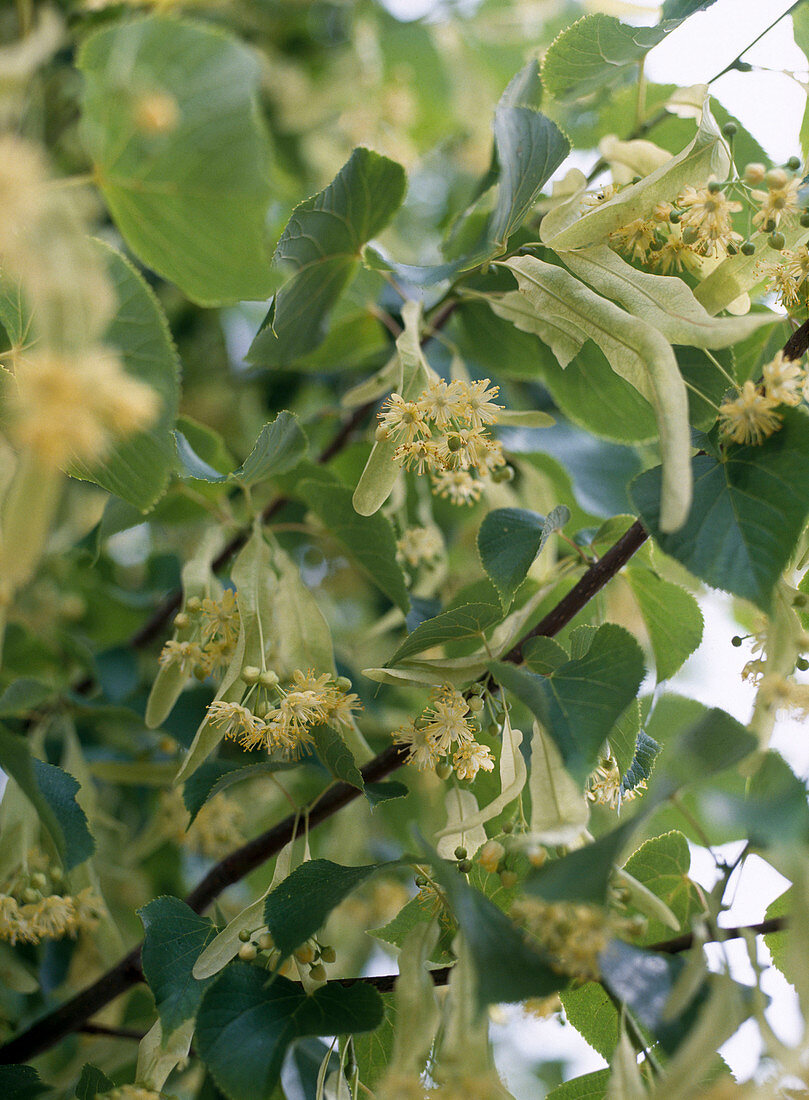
[572,935]
[207,631]
[443,432]
[604,785]
[35,906]
[444,735]
[280,719]
[215,831]
[752,416]
[787,276]
[697,225]
[419,545]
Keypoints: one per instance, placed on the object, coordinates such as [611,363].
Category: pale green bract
[567,313]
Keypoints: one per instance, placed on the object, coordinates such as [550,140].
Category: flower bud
[251,674]
[328,954]
[266,942]
[443,769]
[305,954]
[755,173]
[343,683]
[181,620]
[491,854]
[317,972]
[247,952]
[268,679]
[193,604]
[776,179]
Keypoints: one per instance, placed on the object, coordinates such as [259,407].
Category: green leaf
[672,617]
[509,540]
[564,228]
[567,313]
[215,776]
[462,623]
[373,1050]
[138,468]
[507,968]
[336,755]
[661,865]
[579,702]
[22,696]
[599,51]
[246,1023]
[589,1009]
[748,513]
[299,905]
[777,942]
[191,202]
[21,1083]
[385,791]
[715,742]
[528,149]
[368,539]
[175,937]
[663,301]
[582,875]
[321,245]
[52,792]
[91,1082]
[280,446]
[590,1086]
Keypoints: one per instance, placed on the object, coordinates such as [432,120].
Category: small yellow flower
[186,655]
[470,758]
[672,256]
[749,418]
[783,380]
[707,213]
[403,420]
[477,403]
[419,544]
[458,486]
[777,202]
[442,402]
[634,239]
[421,750]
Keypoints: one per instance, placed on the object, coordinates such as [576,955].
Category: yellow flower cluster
[33,906]
[443,432]
[419,544]
[751,417]
[130,1092]
[69,407]
[280,719]
[215,831]
[604,785]
[207,631]
[788,276]
[446,723]
[572,935]
[698,224]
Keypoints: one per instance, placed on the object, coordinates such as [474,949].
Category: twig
[70,1016]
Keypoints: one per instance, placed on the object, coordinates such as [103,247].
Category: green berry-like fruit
[461,852]
[443,769]
[266,942]
[793,164]
[736,641]
[251,674]
[714,187]
[328,954]
[465,866]
[244,935]
[730,129]
[801,664]
[748,248]
[503,474]
[675,218]
[777,241]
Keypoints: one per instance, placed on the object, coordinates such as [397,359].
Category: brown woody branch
[72,1015]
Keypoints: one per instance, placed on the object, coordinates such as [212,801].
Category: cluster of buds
[206,632]
[280,718]
[443,737]
[419,545]
[572,935]
[35,905]
[444,432]
[752,415]
[698,224]
[311,954]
